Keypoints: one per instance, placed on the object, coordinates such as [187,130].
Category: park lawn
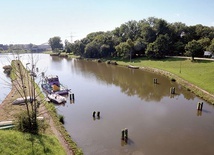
[199,72]
[18,143]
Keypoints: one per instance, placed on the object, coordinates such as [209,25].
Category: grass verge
[14,142]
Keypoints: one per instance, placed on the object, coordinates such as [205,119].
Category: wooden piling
[123,134]
[98,114]
[72,96]
[94,113]
[126,133]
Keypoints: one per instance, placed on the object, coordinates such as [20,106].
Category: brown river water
[158,123]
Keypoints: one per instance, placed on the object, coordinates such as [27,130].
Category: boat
[21,100]
[51,85]
[56,98]
[6,125]
[133,67]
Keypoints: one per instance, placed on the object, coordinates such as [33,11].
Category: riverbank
[46,110]
[194,76]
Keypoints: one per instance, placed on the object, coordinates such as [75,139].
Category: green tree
[193,49]
[159,48]
[139,47]
[211,47]
[205,43]
[55,43]
[123,50]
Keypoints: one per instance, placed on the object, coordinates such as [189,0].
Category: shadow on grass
[39,138]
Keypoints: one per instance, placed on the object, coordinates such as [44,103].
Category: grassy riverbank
[48,144]
[14,142]
[196,76]
[198,73]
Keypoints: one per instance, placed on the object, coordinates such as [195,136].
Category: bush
[26,123]
[61,119]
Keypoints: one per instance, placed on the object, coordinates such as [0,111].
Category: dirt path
[61,139]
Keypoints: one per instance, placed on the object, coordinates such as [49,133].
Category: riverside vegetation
[198,74]
[33,143]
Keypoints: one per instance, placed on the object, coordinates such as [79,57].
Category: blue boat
[51,85]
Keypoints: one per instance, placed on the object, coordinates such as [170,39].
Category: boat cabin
[53,80]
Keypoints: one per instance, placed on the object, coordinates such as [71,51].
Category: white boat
[5,123]
[56,98]
[133,67]
[21,100]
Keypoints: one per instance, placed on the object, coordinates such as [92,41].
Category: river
[157,122]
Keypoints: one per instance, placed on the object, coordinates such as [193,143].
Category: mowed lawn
[199,72]
[18,143]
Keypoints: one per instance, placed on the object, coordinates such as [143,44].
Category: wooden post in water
[94,113]
[126,133]
[122,134]
[172,90]
[98,114]
[155,81]
[72,96]
[200,106]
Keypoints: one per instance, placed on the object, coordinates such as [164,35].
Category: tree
[159,48]
[211,47]
[205,43]
[139,47]
[193,49]
[55,43]
[123,50]
[92,50]
[23,81]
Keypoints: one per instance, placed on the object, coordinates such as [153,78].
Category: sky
[35,21]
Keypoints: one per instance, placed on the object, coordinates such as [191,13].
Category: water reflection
[132,82]
[159,122]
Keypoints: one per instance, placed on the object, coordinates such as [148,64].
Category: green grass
[17,143]
[199,72]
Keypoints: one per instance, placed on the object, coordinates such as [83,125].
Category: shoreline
[8,111]
[189,86]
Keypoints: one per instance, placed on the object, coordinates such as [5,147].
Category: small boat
[21,100]
[51,84]
[6,125]
[56,98]
[133,67]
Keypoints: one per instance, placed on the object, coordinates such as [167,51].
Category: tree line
[152,37]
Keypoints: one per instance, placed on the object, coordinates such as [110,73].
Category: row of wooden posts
[200,106]
[72,97]
[172,89]
[124,134]
[94,114]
